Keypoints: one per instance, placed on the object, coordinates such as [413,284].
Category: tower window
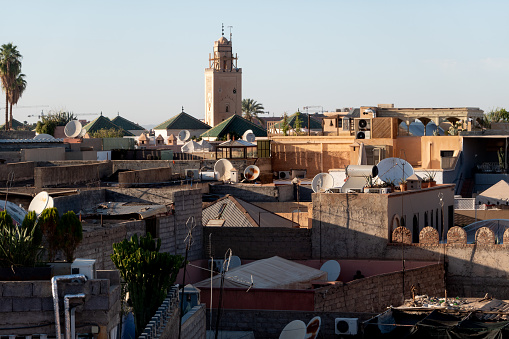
[227,108]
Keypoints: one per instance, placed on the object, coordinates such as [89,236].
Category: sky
[145,60]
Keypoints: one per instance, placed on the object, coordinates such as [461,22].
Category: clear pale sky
[146,59]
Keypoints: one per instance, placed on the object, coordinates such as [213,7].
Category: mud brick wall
[194,323]
[255,193]
[22,171]
[30,303]
[61,176]
[259,242]
[188,206]
[137,177]
[374,294]
[81,201]
[98,241]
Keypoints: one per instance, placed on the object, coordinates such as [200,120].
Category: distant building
[223,84]
[103,122]
[235,126]
[179,122]
[128,125]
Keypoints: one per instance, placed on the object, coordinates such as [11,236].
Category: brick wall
[152,175]
[374,294]
[84,199]
[255,193]
[194,323]
[97,241]
[30,303]
[269,324]
[22,171]
[188,204]
[259,242]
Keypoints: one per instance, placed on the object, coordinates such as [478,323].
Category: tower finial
[222,29]
[182,109]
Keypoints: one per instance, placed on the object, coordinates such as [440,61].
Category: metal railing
[467,204]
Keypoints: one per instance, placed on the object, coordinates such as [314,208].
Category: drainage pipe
[67,314]
[54,288]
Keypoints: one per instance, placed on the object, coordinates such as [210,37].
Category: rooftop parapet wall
[255,193]
[146,176]
[71,175]
[30,303]
[20,170]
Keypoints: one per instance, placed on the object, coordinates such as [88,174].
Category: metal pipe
[54,289]
[67,315]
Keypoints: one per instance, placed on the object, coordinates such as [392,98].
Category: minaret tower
[223,83]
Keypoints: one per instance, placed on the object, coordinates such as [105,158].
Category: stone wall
[259,242]
[22,171]
[30,303]
[194,323]
[17,134]
[43,154]
[255,193]
[55,176]
[143,177]
[81,201]
[374,294]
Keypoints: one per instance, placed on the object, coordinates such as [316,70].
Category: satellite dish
[332,268]
[313,328]
[184,135]
[394,169]
[234,262]
[295,329]
[16,212]
[249,136]
[82,133]
[43,136]
[40,202]
[223,169]
[251,172]
[73,129]
[322,182]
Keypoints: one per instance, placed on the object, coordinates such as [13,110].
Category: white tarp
[206,146]
[191,146]
[497,194]
[269,273]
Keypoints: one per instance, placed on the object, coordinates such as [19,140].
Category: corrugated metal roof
[30,141]
[274,273]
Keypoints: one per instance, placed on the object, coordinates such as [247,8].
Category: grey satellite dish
[332,268]
[73,129]
[322,182]
[313,328]
[40,202]
[251,172]
[394,169]
[234,262]
[43,136]
[222,168]
[184,135]
[249,136]
[82,133]
[295,329]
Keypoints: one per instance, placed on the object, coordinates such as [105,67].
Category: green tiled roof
[303,121]
[236,124]
[15,124]
[126,124]
[103,123]
[183,121]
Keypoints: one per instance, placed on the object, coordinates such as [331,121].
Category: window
[415,229]
[263,148]
[227,108]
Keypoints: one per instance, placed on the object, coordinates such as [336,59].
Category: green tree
[148,274]
[298,123]
[17,91]
[10,68]
[70,234]
[108,133]
[284,124]
[49,122]
[495,115]
[251,109]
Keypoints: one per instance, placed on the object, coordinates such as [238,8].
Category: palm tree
[10,68]
[16,92]
[251,109]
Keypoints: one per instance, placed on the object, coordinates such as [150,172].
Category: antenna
[230,27]
[222,29]
[190,225]
[394,169]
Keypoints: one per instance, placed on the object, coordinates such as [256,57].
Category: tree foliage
[49,122]
[69,234]
[251,109]
[298,123]
[284,124]
[10,69]
[495,115]
[108,133]
[148,274]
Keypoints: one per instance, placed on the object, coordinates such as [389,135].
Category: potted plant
[49,223]
[402,185]
[368,184]
[21,250]
[430,179]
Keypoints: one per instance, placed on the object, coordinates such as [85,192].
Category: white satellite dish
[40,202]
[332,268]
[249,136]
[43,136]
[295,329]
[394,169]
[184,135]
[82,133]
[73,129]
[234,262]
[251,172]
[322,182]
[222,168]
[313,328]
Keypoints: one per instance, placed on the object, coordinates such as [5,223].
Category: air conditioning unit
[297,173]
[346,326]
[284,175]
[363,135]
[362,124]
[85,267]
[192,173]
[217,265]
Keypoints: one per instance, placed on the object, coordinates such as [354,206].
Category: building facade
[223,84]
